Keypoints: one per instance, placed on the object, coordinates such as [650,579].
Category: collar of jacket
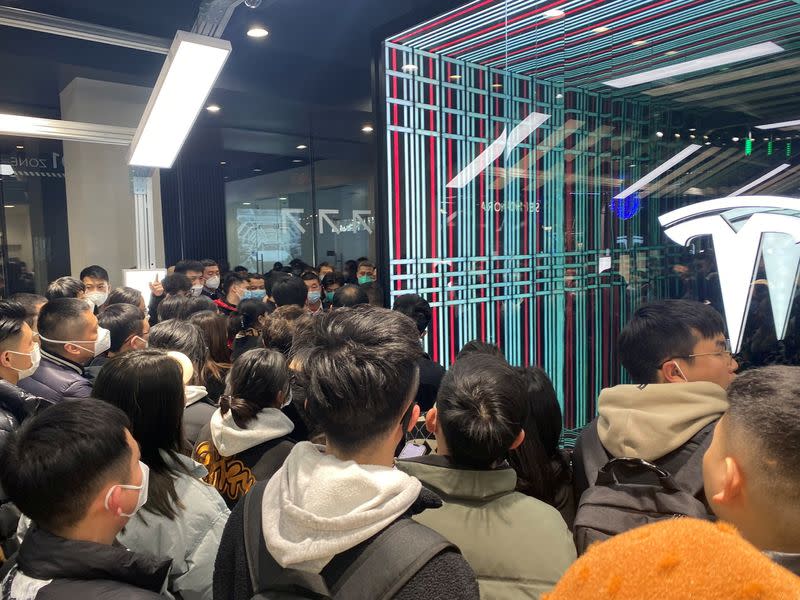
[17,401]
[439,474]
[63,362]
[47,556]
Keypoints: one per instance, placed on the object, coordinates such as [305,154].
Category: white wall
[100,208]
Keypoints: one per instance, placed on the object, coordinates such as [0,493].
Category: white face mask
[140,502]
[36,357]
[196,290]
[102,343]
[212,283]
[97,298]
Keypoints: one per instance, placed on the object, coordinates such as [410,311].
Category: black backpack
[378,573]
[631,492]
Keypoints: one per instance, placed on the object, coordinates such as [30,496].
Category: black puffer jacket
[15,406]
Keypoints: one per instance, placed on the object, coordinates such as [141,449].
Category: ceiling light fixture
[655,173]
[677,135]
[213,108]
[283,198]
[781,125]
[455,77]
[297,160]
[693,129]
[245,204]
[222,162]
[409,68]
[497,85]
[256,170]
[670,53]
[367,129]
[554,13]
[11,206]
[761,180]
[6,170]
[302,147]
[602,29]
[559,96]
[734,139]
[700,64]
[638,42]
[257,32]
[192,66]
[659,134]
[20,147]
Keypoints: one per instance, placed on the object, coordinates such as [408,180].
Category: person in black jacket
[326,505]
[19,357]
[247,438]
[430,373]
[79,498]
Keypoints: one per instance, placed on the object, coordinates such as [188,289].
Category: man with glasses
[680,364]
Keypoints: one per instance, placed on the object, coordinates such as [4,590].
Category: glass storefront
[526,180]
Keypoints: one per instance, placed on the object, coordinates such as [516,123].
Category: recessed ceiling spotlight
[638,42]
[559,96]
[692,136]
[554,13]
[297,160]
[20,147]
[659,134]
[11,206]
[213,108]
[245,204]
[734,139]
[455,77]
[283,198]
[602,29]
[302,147]
[708,143]
[677,135]
[256,170]
[222,162]
[497,85]
[777,139]
[670,53]
[692,129]
[367,129]
[257,32]
[409,68]
[705,137]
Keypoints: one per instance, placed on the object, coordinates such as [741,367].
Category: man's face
[711,362]
[196,277]
[313,285]
[86,334]
[324,270]
[210,272]
[332,288]
[23,344]
[364,271]
[255,284]
[95,285]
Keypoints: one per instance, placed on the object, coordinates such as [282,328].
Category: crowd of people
[284,435]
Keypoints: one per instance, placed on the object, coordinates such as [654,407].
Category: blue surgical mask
[313,297]
[329,296]
[255,294]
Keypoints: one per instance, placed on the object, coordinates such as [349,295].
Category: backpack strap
[391,560]
[595,455]
[690,476]
[265,572]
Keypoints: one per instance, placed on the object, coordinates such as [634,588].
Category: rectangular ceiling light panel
[781,125]
[699,64]
[192,66]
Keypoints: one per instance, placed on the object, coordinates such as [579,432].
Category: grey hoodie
[651,421]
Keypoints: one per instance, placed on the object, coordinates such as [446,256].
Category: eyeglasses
[728,352]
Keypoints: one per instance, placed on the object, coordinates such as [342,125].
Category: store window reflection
[289,197]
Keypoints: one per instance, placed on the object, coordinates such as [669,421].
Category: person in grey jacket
[184,517]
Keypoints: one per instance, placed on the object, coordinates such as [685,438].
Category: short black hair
[125,295]
[174,283]
[278,332]
[662,330]
[374,292]
[122,321]
[59,460]
[173,307]
[248,312]
[477,346]
[765,405]
[183,337]
[290,290]
[250,276]
[272,279]
[348,296]
[12,318]
[230,280]
[32,304]
[359,369]
[59,319]
[415,307]
[254,382]
[365,262]
[209,262]
[333,278]
[95,272]
[198,304]
[310,276]
[240,269]
[184,266]
[65,287]
[481,409]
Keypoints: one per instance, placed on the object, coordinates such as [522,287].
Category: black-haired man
[323,509]
[79,497]
[33,303]
[290,290]
[193,269]
[314,300]
[430,373]
[65,287]
[128,329]
[70,339]
[680,362]
[752,478]
[349,296]
[518,545]
[212,279]
[96,280]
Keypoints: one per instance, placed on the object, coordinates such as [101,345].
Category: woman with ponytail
[248,437]
[245,327]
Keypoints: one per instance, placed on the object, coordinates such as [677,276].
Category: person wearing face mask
[248,439]
[366,273]
[234,288]
[330,283]
[70,339]
[314,303]
[246,326]
[213,279]
[128,328]
[71,550]
[256,287]
[183,518]
[192,269]
[95,279]
[19,358]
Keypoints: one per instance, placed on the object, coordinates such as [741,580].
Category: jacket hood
[47,556]
[317,506]
[194,393]
[230,439]
[441,476]
[651,421]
